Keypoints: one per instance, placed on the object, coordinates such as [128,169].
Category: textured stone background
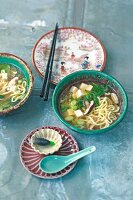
[108,173]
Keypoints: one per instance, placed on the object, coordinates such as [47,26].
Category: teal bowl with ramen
[90,101]
[16,82]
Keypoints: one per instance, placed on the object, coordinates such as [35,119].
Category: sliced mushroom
[86,104]
[89,108]
[13,81]
[107,94]
[114,98]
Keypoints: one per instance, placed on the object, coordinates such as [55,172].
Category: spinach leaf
[5,67]
[2,96]
[64,107]
[99,90]
[80,103]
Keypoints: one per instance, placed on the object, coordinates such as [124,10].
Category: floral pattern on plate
[30,159]
[76,49]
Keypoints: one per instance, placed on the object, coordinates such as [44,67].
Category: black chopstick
[51,55]
[46,92]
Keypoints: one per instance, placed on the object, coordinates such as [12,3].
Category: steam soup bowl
[7,61]
[95,77]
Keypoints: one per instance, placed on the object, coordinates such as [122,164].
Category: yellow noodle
[18,94]
[103,115]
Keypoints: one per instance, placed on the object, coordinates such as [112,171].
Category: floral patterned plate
[30,159]
[76,49]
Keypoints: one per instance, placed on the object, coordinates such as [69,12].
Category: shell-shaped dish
[50,135]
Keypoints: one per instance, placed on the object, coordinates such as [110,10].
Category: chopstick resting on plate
[47,78]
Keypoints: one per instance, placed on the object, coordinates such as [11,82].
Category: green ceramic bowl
[91,76]
[6,58]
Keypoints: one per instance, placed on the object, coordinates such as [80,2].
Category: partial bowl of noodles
[16,82]
[90,101]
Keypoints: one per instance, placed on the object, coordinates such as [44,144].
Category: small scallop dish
[16,82]
[90,101]
[46,141]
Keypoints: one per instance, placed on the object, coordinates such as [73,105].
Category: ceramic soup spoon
[55,163]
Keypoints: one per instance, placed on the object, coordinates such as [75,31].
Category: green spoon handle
[72,158]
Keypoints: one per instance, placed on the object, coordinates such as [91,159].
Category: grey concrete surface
[105,175]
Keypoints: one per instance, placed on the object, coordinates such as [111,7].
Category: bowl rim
[62,28]
[85,131]
[31,80]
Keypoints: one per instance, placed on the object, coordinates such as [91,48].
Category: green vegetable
[92,97]
[2,96]
[64,107]
[74,107]
[73,103]
[96,101]
[97,91]
[5,67]
[87,97]
[52,143]
[6,105]
[79,126]
[69,118]
[76,104]
[80,122]
[80,103]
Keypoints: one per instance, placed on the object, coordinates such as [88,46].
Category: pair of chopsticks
[47,78]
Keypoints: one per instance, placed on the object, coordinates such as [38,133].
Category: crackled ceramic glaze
[30,159]
[76,49]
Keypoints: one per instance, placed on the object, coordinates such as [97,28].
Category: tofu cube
[74,95]
[70,112]
[79,93]
[78,113]
[89,87]
[84,86]
[4,76]
[73,89]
